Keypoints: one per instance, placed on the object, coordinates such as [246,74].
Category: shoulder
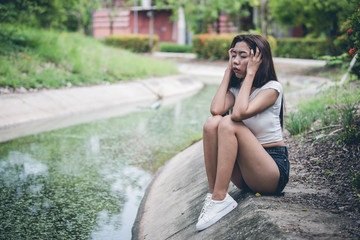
[273,84]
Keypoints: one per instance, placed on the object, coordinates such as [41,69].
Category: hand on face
[255,61]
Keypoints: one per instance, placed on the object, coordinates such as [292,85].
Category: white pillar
[181,27]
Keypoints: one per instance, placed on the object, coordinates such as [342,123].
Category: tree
[200,13]
[57,14]
[36,13]
[316,16]
[113,11]
[83,11]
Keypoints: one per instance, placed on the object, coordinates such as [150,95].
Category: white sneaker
[206,203]
[214,211]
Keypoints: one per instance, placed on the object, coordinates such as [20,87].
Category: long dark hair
[266,71]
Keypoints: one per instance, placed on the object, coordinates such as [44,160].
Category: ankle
[218,196]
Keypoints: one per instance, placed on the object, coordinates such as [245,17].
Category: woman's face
[240,57]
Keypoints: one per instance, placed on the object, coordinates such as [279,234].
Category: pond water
[86,181]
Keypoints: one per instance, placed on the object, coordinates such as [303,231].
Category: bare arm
[244,108]
[262,101]
[223,99]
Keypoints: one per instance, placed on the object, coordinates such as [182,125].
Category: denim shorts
[280,156]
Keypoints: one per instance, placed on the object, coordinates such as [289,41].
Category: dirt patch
[324,170]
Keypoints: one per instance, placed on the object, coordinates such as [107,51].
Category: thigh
[257,167]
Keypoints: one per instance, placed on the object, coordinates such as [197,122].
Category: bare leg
[236,176]
[227,152]
[210,142]
[257,168]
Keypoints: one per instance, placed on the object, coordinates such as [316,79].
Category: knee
[211,125]
[226,124]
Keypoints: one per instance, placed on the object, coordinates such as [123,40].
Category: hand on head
[230,64]
[255,61]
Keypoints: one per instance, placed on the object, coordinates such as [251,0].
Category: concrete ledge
[33,109]
[174,200]
[17,109]
[301,62]
[174,55]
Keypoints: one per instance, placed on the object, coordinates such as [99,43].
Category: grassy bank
[329,127]
[336,107]
[33,58]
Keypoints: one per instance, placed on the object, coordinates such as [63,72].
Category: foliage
[350,125]
[173,47]
[317,16]
[334,61]
[43,59]
[83,10]
[348,45]
[354,37]
[308,112]
[211,46]
[55,14]
[273,43]
[133,42]
[11,38]
[200,13]
[304,48]
[334,107]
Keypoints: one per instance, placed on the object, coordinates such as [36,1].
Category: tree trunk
[218,23]
[80,25]
[264,17]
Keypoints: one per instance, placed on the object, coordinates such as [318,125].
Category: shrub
[354,36]
[12,38]
[304,48]
[273,44]
[173,47]
[133,42]
[211,46]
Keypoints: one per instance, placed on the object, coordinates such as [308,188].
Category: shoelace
[208,204]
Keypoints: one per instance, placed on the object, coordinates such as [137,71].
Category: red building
[117,18]
[140,19]
[147,19]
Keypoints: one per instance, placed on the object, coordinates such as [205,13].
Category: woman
[245,146]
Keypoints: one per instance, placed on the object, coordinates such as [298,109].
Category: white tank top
[265,125]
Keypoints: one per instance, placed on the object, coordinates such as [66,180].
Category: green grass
[308,112]
[336,106]
[32,58]
[173,47]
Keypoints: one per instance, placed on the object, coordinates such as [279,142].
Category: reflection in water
[87,181]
